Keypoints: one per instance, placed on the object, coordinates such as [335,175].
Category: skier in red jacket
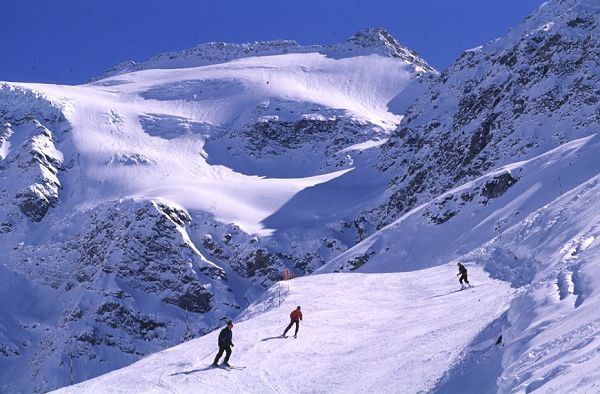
[295,316]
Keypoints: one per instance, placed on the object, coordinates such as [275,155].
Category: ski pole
[211,352]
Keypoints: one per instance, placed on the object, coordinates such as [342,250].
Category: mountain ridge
[364,42]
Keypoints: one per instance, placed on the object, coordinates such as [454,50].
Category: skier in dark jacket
[295,317]
[462,271]
[225,345]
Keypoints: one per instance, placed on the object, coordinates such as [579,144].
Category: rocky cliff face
[30,161]
[37,165]
[88,290]
[509,100]
[124,280]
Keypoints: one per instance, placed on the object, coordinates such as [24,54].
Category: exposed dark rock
[34,203]
[259,260]
[439,219]
[197,299]
[498,186]
[359,261]
[120,317]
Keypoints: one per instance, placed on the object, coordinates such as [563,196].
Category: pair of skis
[230,368]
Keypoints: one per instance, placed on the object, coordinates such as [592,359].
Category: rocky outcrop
[509,100]
[319,140]
[43,164]
[497,186]
[33,166]
[379,40]
[30,162]
[127,282]
[148,254]
[480,193]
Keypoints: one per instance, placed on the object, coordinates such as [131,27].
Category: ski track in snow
[397,332]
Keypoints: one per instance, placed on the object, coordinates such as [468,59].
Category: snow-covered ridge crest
[365,42]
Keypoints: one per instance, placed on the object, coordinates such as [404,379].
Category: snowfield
[144,134]
[360,333]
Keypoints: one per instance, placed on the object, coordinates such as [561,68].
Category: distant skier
[295,317]
[462,271]
[225,345]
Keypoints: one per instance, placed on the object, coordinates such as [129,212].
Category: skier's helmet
[298,307]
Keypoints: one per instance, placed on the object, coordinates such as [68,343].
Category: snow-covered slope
[541,236]
[398,332]
[497,164]
[157,202]
[153,204]
[553,334]
[473,213]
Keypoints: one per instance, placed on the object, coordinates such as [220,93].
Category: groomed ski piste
[394,332]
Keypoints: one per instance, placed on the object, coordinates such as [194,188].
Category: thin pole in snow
[211,352]
[499,229]
[560,186]
[187,328]
[72,377]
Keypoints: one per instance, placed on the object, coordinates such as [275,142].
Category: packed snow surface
[360,333]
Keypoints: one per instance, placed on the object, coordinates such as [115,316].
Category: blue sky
[69,41]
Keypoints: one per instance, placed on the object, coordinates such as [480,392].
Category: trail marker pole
[560,186]
[72,374]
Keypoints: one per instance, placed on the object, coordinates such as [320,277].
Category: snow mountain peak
[382,42]
[365,42]
[515,97]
